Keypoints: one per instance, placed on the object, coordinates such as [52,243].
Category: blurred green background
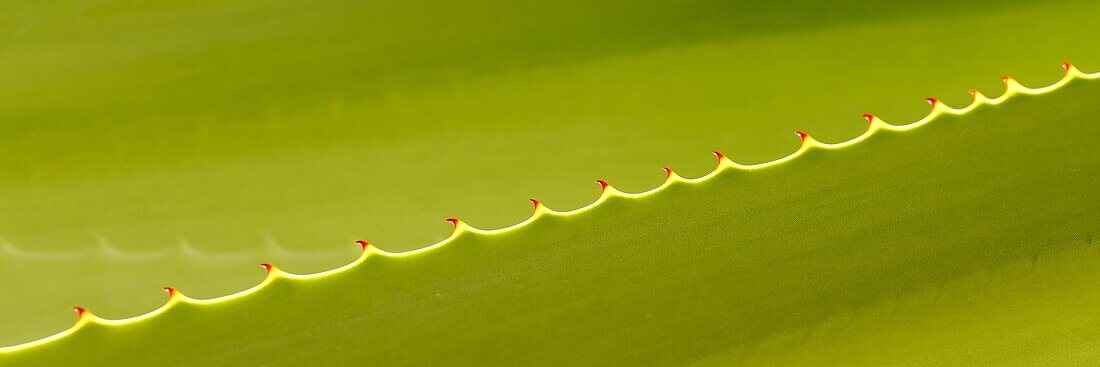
[147,144]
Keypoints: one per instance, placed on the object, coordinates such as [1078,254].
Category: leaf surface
[963,240]
[180,144]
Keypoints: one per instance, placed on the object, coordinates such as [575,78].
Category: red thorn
[1066,65]
[79,311]
[1005,78]
[363,244]
[801,135]
[603,184]
[171,291]
[932,101]
[535,202]
[869,117]
[454,221]
[973,92]
[668,172]
[267,267]
[718,154]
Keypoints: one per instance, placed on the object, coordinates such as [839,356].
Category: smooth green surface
[969,241]
[145,145]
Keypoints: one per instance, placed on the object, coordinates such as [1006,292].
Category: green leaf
[179,144]
[963,240]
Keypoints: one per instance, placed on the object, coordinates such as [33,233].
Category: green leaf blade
[749,265]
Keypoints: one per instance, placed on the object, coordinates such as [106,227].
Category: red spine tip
[267,267]
[171,291]
[801,135]
[668,172]
[718,154]
[1066,65]
[79,311]
[869,117]
[535,202]
[603,184]
[932,101]
[1005,78]
[454,221]
[362,244]
[973,92]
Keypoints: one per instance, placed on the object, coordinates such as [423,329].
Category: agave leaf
[953,240]
[180,144]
